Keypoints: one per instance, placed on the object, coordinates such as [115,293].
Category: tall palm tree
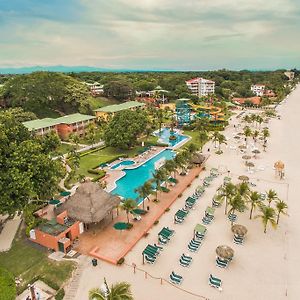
[203,138]
[144,191]
[254,201]
[179,160]
[192,148]
[247,133]
[158,177]
[267,216]
[265,134]
[226,193]
[215,137]
[118,291]
[221,140]
[128,205]
[244,190]
[259,120]
[236,203]
[271,196]
[281,206]
[255,134]
[170,166]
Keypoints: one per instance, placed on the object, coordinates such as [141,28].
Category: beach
[264,267]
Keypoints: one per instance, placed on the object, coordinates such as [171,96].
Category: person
[208,150]
[38,297]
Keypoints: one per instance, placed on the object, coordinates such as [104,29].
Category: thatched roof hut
[198,158]
[90,203]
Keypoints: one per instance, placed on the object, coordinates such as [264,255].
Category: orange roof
[253,100]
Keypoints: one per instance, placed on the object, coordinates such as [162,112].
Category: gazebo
[198,158]
[90,204]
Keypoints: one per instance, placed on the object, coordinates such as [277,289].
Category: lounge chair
[193,247]
[199,236]
[185,260]
[162,241]
[206,221]
[238,240]
[150,259]
[175,278]
[221,263]
[232,217]
[215,282]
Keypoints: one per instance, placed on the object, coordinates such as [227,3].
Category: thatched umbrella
[225,252]
[242,147]
[198,158]
[240,230]
[279,167]
[237,137]
[255,151]
[249,164]
[246,158]
[90,203]
[243,178]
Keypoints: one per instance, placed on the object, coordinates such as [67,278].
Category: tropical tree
[179,161]
[128,205]
[74,159]
[255,134]
[247,133]
[74,138]
[259,120]
[244,190]
[215,137]
[281,206]
[192,148]
[91,133]
[271,196]
[170,166]
[254,201]
[158,177]
[265,134]
[267,216]
[226,193]
[236,203]
[221,140]
[203,138]
[118,291]
[144,191]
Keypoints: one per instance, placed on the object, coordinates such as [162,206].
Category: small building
[57,234]
[41,126]
[75,123]
[200,86]
[253,100]
[95,88]
[258,89]
[109,111]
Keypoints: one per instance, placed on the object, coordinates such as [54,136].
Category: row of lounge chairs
[165,235]
[151,252]
[209,215]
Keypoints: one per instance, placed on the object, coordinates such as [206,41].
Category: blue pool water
[164,135]
[134,178]
[123,163]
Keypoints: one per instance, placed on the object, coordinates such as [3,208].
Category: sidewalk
[8,233]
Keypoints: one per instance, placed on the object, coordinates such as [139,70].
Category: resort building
[252,101]
[96,88]
[75,123]
[258,89]
[63,126]
[290,75]
[57,234]
[41,126]
[200,86]
[109,111]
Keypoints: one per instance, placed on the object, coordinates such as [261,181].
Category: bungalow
[109,111]
[75,123]
[95,88]
[57,234]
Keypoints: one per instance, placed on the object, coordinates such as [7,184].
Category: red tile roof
[253,100]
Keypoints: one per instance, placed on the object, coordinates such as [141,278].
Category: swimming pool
[136,177]
[164,136]
[122,163]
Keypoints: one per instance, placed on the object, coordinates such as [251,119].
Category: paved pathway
[8,233]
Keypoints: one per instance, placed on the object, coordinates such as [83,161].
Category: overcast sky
[151,34]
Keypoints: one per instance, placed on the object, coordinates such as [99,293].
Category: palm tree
[255,134]
[254,201]
[215,137]
[144,191]
[203,138]
[259,120]
[280,206]
[170,166]
[74,158]
[247,119]
[267,216]
[118,291]
[271,196]
[236,203]
[247,133]
[128,205]
[191,148]
[158,177]
[221,140]
[179,160]
[226,193]
[265,134]
[244,190]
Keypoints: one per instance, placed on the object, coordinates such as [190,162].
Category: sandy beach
[265,267]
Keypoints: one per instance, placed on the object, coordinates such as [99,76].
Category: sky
[151,34]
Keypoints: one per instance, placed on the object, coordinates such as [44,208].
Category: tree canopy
[35,91]
[125,128]
[27,171]
[119,89]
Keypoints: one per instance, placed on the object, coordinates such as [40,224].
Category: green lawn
[63,148]
[101,101]
[195,137]
[29,261]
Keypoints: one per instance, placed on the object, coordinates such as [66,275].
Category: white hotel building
[258,89]
[200,86]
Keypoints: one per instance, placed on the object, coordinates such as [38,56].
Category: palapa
[90,203]
[240,230]
[224,251]
[198,158]
[243,178]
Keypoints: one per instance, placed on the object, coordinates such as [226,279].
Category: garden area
[30,263]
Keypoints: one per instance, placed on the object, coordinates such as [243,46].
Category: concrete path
[8,233]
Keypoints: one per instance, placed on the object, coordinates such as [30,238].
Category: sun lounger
[206,221]
[238,240]
[215,282]
[193,247]
[221,263]
[162,241]
[149,259]
[175,278]
[199,236]
[232,217]
[185,260]
[160,248]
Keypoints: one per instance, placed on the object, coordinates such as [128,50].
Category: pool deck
[110,245]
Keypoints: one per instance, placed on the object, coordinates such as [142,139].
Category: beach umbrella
[249,164]
[242,147]
[246,157]
[225,252]
[240,230]
[237,137]
[255,151]
[65,193]
[138,211]
[120,226]
[243,178]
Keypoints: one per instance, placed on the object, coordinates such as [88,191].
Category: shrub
[189,185]
[129,226]
[197,176]
[180,195]
[121,261]
[146,234]
[156,222]
[60,294]
[7,285]
[167,209]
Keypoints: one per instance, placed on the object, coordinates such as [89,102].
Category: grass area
[47,112]
[63,148]
[29,261]
[194,138]
[101,102]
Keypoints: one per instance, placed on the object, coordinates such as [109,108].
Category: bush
[121,261]
[189,185]
[197,176]
[129,226]
[91,151]
[7,285]
[60,294]
[146,234]
[167,209]
[180,195]
[156,222]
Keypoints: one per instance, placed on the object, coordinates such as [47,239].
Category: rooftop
[40,123]
[199,79]
[74,118]
[52,228]
[120,107]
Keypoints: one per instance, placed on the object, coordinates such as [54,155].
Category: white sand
[265,267]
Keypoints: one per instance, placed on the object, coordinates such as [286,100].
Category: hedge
[7,285]
[60,294]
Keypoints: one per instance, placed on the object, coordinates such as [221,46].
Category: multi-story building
[63,126]
[200,86]
[290,75]
[258,89]
[96,88]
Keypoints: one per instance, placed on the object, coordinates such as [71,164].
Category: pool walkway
[110,245]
